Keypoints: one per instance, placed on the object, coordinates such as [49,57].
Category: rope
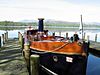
[48,70]
[60,47]
[52,50]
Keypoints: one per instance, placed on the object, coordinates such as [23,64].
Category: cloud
[16,10]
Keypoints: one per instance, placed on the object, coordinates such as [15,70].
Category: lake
[93,66]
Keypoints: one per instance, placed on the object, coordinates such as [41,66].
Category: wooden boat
[60,55]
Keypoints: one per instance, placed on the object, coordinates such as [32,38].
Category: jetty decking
[95,45]
[95,48]
[11,59]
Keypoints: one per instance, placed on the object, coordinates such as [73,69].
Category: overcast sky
[65,10]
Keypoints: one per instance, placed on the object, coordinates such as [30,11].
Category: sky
[64,10]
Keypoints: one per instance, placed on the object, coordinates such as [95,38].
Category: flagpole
[81,27]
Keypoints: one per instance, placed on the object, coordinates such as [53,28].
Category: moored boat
[60,55]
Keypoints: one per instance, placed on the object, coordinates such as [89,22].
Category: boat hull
[61,64]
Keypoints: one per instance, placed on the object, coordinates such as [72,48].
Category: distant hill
[27,21]
[92,23]
[61,22]
[48,21]
[51,22]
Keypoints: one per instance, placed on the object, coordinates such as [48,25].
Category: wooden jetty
[95,45]
[11,60]
[95,48]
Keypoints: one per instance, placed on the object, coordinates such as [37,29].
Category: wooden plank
[95,45]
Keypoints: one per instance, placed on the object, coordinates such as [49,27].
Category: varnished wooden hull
[61,64]
[67,61]
[58,47]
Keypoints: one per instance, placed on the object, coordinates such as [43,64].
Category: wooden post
[87,37]
[3,36]
[0,41]
[59,33]
[66,35]
[34,63]
[7,36]
[96,38]
[18,35]
[84,36]
[53,34]
[26,52]
[21,40]
[3,39]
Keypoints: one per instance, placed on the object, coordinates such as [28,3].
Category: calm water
[93,66]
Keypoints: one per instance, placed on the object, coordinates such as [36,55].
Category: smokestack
[40,25]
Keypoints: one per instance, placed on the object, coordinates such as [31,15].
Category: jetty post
[34,64]
[53,34]
[84,35]
[59,33]
[21,41]
[96,38]
[3,39]
[26,51]
[6,36]
[66,35]
[26,54]
[87,37]
[20,38]
[0,42]
[19,34]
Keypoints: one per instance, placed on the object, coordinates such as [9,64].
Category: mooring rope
[51,50]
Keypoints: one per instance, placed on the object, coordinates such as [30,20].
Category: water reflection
[14,33]
[93,65]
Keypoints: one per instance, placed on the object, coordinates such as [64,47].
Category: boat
[58,55]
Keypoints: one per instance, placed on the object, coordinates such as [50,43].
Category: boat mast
[81,27]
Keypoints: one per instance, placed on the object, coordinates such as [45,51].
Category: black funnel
[40,25]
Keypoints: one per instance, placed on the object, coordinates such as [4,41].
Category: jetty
[95,45]
[11,59]
[95,48]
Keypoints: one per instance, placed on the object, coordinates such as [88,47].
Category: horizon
[51,20]
[62,10]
